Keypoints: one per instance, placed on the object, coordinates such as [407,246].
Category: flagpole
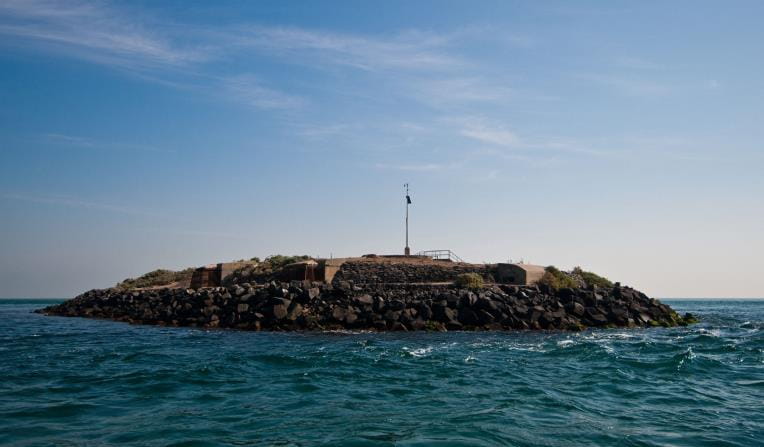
[407,250]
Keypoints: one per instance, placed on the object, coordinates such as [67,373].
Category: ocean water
[80,382]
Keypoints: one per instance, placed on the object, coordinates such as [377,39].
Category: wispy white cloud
[428,66]
[631,86]
[424,167]
[119,38]
[91,143]
[480,130]
[69,140]
[74,202]
[410,50]
[460,90]
[501,140]
[249,90]
[106,33]
[532,148]
[94,31]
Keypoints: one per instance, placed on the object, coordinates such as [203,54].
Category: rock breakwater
[305,305]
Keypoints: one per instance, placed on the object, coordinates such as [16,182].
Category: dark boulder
[364,300]
[468,317]
[575,308]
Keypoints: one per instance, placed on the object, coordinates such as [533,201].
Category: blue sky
[624,137]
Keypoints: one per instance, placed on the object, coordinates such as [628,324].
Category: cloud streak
[497,136]
[105,35]
[479,130]
[414,167]
[248,89]
[462,90]
[189,57]
[90,143]
[630,86]
[93,31]
[74,203]
[412,50]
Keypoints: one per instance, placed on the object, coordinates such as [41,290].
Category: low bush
[592,279]
[469,280]
[557,279]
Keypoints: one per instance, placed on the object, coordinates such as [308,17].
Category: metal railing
[441,255]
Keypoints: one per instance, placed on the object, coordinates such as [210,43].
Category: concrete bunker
[519,274]
[212,275]
[311,270]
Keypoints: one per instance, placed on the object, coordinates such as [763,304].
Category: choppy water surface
[72,381]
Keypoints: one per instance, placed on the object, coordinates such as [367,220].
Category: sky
[622,137]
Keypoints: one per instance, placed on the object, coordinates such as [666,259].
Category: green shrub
[278,261]
[469,280]
[592,279]
[157,277]
[557,279]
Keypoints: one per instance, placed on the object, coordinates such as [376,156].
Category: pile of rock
[345,305]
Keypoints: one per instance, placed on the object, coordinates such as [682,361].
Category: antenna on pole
[407,250]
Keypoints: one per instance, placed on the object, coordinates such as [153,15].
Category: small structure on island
[519,274]
[211,275]
[299,271]
[311,270]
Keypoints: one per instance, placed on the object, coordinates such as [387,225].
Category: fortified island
[433,291]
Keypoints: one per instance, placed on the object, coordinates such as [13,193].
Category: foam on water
[71,381]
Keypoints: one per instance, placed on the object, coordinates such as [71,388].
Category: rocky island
[378,293]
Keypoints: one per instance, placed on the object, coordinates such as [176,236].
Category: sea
[84,382]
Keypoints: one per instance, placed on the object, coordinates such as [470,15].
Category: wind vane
[407,250]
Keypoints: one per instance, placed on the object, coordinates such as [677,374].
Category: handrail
[441,254]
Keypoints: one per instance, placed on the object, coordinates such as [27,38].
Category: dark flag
[408,199]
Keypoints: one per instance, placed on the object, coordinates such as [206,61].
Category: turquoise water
[80,382]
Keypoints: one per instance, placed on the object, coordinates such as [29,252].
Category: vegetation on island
[276,262]
[557,279]
[155,278]
[469,281]
[265,267]
[591,279]
[163,277]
